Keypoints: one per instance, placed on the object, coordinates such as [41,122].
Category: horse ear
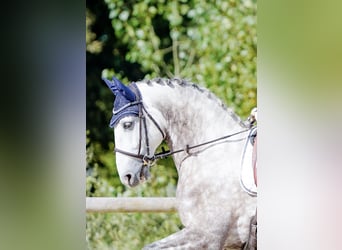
[118,88]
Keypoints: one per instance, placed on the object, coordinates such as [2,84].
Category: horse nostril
[128,178]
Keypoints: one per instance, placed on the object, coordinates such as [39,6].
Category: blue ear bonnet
[126,101]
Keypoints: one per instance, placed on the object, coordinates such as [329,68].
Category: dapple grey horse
[214,209]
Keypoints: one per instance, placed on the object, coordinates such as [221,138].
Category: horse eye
[127,125]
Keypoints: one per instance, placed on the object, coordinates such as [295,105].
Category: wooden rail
[130,205]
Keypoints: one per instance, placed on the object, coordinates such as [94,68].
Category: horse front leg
[189,239]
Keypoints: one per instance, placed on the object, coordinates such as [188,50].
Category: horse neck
[190,115]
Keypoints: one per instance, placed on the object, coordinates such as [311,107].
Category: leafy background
[211,43]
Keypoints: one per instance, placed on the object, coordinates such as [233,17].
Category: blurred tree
[212,43]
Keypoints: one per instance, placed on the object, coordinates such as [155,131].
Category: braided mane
[178,82]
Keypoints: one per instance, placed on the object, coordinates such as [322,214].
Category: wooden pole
[130,205]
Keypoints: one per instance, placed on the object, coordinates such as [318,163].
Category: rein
[187,149]
[149,160]
[166,153]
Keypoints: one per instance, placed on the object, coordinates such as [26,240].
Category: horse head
[135,139]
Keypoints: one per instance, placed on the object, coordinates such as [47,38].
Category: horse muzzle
[133,179]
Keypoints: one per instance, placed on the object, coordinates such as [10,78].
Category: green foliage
[128,231]
[212,43]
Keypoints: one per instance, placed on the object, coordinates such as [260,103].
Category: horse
[206,140]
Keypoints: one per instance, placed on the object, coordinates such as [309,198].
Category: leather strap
[254,161]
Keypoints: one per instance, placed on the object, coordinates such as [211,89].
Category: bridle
[146,159]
